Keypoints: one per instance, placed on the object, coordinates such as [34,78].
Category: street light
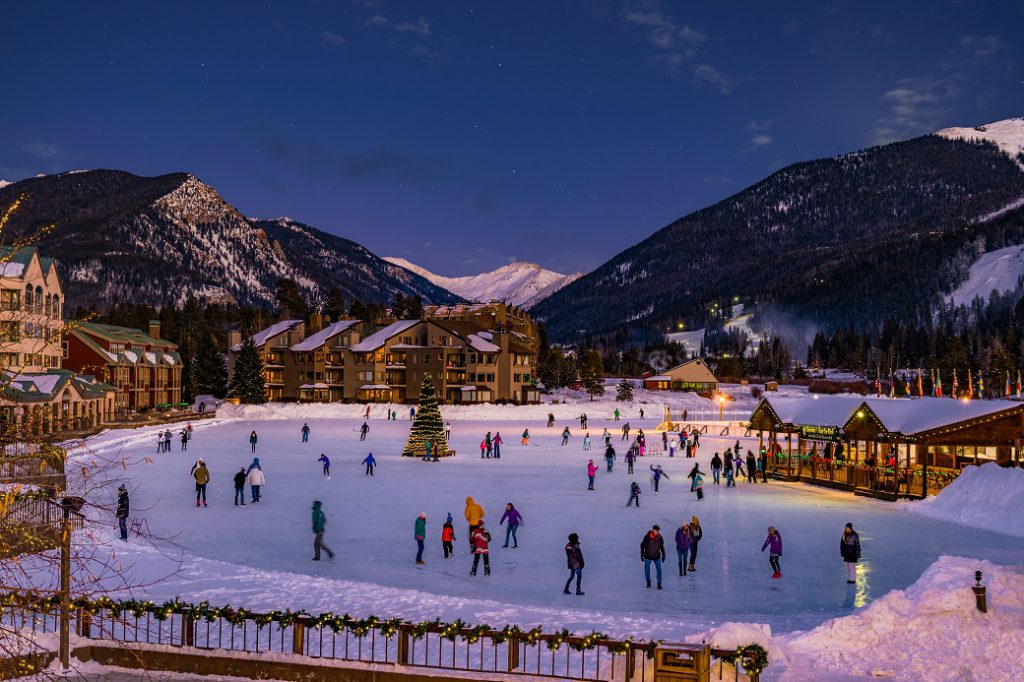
[721,408]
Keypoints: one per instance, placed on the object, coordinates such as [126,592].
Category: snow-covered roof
[321,337]
[311,386]
[826,410]
[375,387]
[261,337]
[478,343]
[660,377]
[375,341]
[912,416]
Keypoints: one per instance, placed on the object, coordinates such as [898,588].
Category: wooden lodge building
[885,447]
[692,375]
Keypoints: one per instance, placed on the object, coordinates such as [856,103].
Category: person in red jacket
[481,547]
[448,537]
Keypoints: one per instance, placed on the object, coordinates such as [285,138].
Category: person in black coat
[240,487]
[849,549]
[652,550]
[123,508]
[574,560]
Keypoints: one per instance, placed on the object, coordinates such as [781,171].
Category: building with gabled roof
[31,303]
[692,375]
[273,344]
[317,363]
[144,368]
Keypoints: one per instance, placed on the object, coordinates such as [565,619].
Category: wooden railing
[443,646]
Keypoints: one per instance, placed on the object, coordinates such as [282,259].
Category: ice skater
[694,473]
[480,539]
[526,436]
[565,436]
[591,472]
[256,481]
[574,560]
[123,507]
[751,468]
[652,551]
[609,458]
[319,523]
[420,533]
[363,430]
[253,439]
[849,550]
[447,430]
[325,460]
[698,486]
[634,494]
[305,433]
[515,519]
[630,460]
[496,442]
[184,440]
[657,474]
[240,486]
[490,444]
[448,538]
[683,547]
[370,463]
[202,476]
[474,514]
[774,545]
[586,442]
[696,534]
[716,468]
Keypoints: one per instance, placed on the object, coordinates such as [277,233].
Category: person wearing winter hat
[480,539]
[574,559]
[122,511]
[652,550]
[774,545]
[849,549]
[696,533]
[202,476]
[420,531]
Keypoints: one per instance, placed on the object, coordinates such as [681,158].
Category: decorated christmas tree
[427,425]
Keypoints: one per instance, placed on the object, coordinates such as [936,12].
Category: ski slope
[998,270]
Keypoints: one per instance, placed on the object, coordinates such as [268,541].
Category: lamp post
[721,408]
[65,584]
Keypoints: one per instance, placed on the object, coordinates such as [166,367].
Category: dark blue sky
[462,135]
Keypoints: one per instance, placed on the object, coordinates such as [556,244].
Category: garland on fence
[203,611]
[752,657]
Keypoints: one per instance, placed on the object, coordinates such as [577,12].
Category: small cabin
[693,375]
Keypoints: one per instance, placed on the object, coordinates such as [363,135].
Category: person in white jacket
[256,479]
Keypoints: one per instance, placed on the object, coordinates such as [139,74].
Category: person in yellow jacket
[202,476]
[474,515]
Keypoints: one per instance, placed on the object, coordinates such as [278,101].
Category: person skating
[167,440]
[716,468]
[607,438]
[737,461]
[447,430]
[253,439]
[412,413]
[474,514]
[483,449]
[630,460]
[664,441]
[683,547]
[625,431]
[657,475]
[256,481]
[730,481]
[574,560]
[319,523]
[480,539]
[551,419]
[762,465]
[160,442]
[696,533]
[583,421]
[363,430]
[849,549]
[202,476]
[490,444]
[123,508]
[634,494]
[515,519]
[327,464]
[586,442]
[565,436]
[751,468]
[305,433]
[526,436]
[698,486]
[497,444]
[652,550]
[184,440]
[426,450]
[617,414]
[774,545]
[240,487]
[609,458]
[370,463]
[694,472]
[591,472]
[448,538]
[254,464]
[420,533]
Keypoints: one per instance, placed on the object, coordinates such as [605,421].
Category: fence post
[513,653]
[188,631]
[630,663]
[299,636]
[84,623]
[403,646]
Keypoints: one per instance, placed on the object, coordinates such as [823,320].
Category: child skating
[327,465]
[773,543]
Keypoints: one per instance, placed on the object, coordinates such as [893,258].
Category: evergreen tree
[211,371]
[414,308]
[247,383]
[399,307]
[427,424]
[334,304]
[592,373]
[624,392]
[290,302]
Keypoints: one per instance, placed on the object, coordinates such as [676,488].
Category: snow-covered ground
[988,497]
[998,270]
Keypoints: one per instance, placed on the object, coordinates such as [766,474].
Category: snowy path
[259,555]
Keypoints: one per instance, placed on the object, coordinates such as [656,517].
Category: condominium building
[31,303]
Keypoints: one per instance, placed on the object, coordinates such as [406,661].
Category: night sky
[465,135]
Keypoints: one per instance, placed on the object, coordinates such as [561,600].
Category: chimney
[234,338]
[154,329]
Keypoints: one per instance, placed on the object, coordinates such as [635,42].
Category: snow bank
[989,497]
[929,631]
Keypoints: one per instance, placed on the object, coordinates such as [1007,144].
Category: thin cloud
[328,38]
[761,140]
[674,42]
[420,27]
[42,149]
[376,20]
[706,73]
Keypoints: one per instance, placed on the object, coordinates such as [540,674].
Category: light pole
[721,408]
[65,584]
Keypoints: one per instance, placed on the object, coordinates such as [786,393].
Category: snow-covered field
[998,270]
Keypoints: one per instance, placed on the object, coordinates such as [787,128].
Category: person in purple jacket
[515,519]
[683,546]
[774,545]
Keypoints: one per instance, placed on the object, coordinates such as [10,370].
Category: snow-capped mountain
[122,237]
[521,284]
[842,242]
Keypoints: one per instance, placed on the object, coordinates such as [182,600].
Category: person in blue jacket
[370,462]
[327,464]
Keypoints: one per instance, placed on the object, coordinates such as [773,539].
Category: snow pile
[929,631]
[989,497]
